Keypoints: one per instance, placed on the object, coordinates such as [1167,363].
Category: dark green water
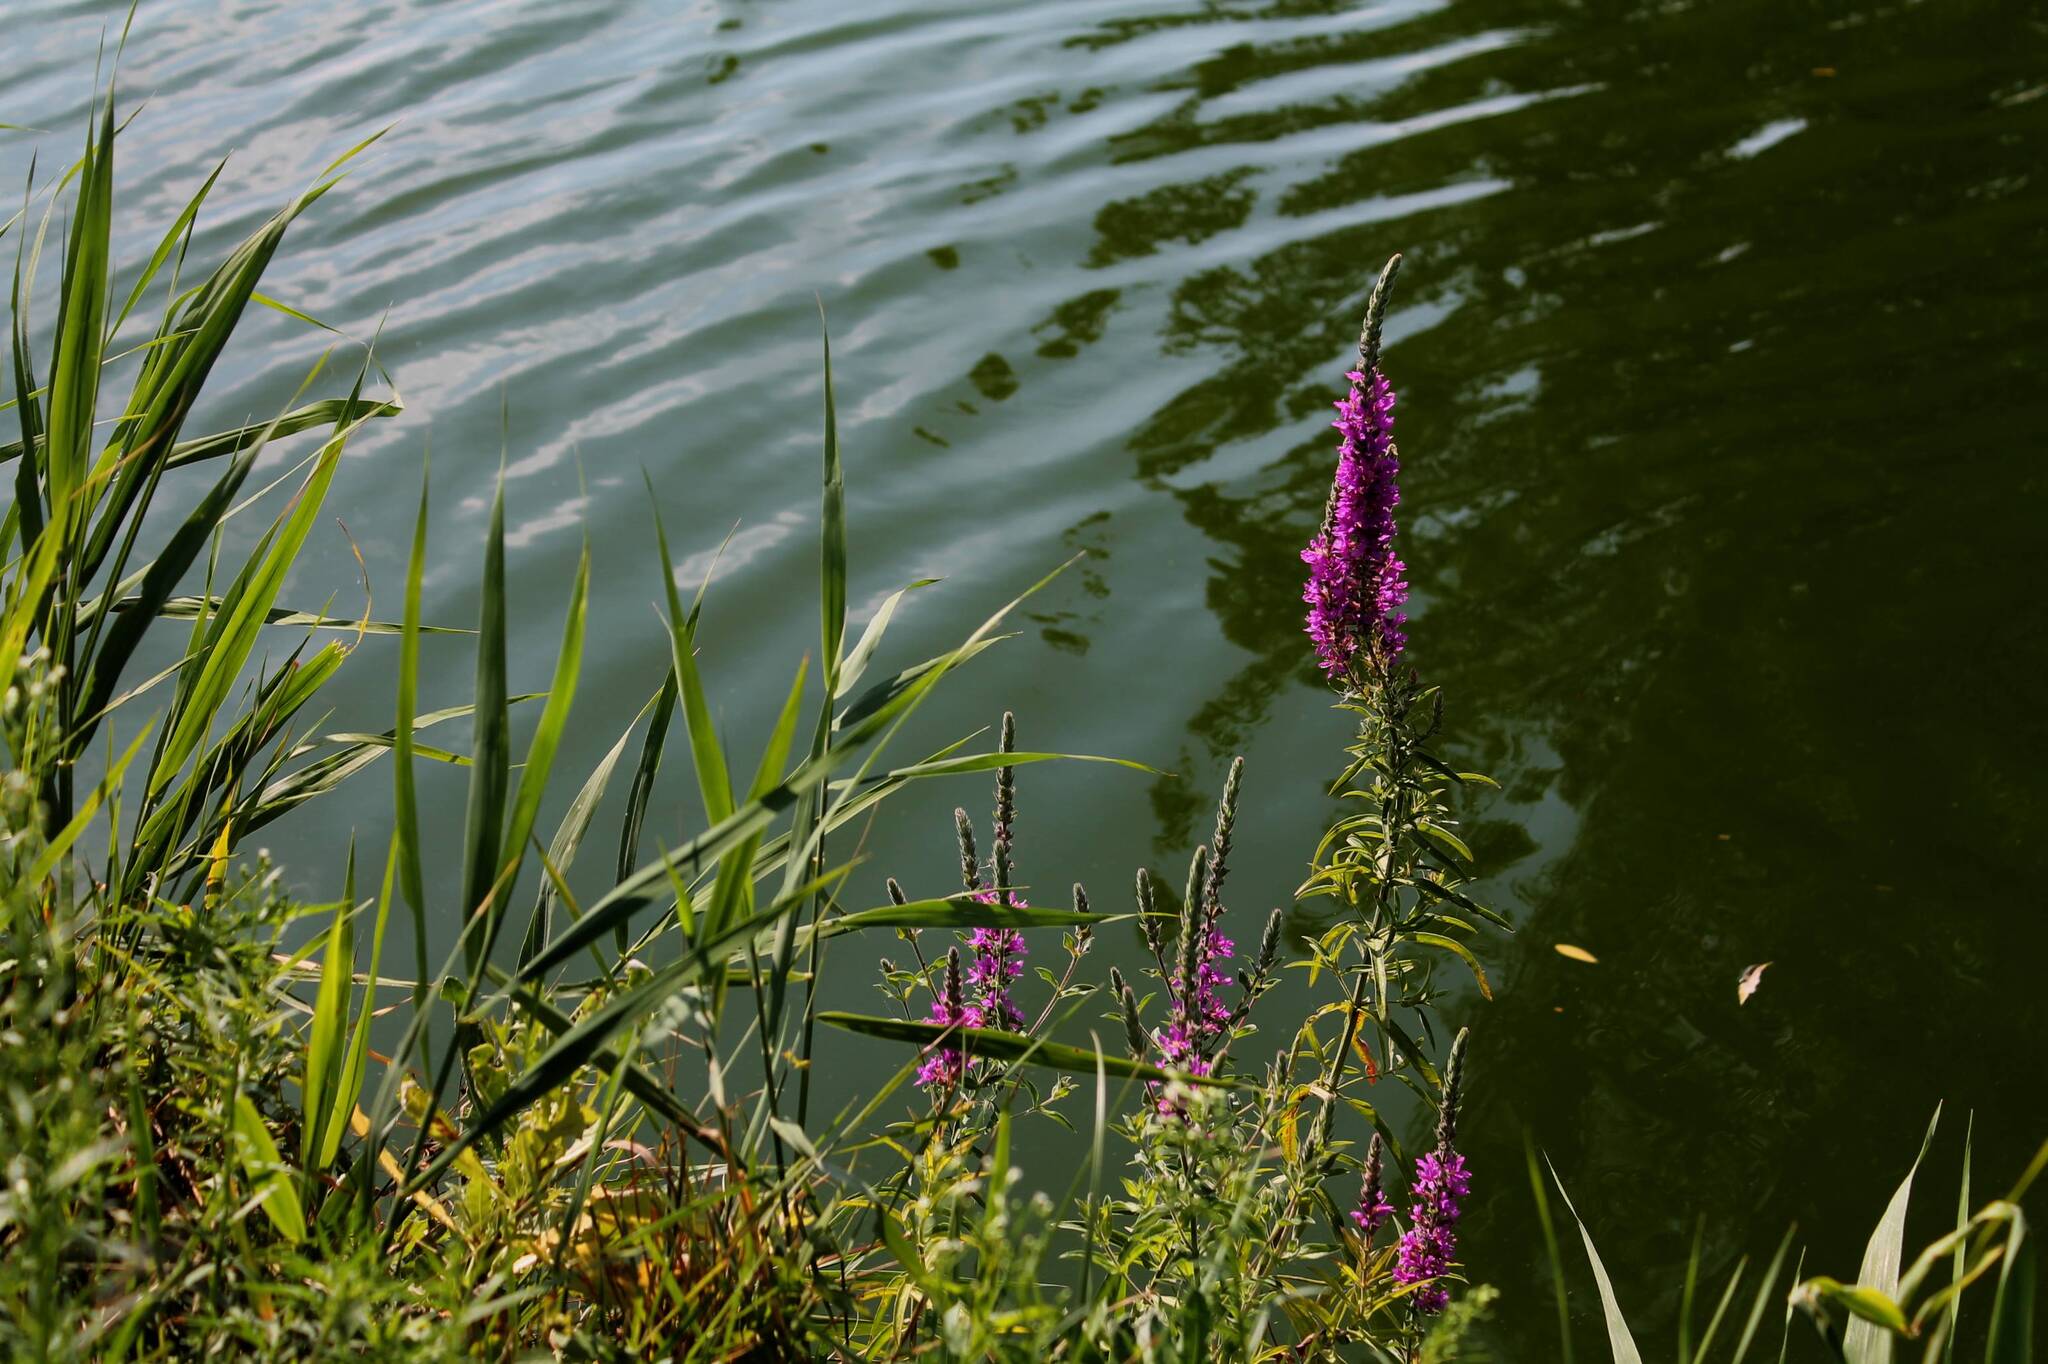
[1719,347]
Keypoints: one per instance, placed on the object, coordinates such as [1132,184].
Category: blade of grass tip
[81,319]
[1619,1340]
[714,782]
[1955,1305]
[1791,1307]
[1692,1279]
[1763,1296]
[1866,1342]
[569,833]
[1720,1311]
[490,759]
[641,790]
[1564,1315]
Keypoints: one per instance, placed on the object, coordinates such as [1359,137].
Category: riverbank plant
[559,1097]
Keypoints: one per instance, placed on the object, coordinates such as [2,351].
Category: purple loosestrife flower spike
[946,1063]
[1148,918]
[1373,1209]
[1219,846]
[970,860]
[1441,1182]
[1355,587]
[1192,917]
[1006,812]
[997,962]
[1127,1010]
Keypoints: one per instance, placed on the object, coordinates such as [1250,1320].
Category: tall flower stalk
[1394,865]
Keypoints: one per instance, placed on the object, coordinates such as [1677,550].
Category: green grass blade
[547,738]
[871,639]
[2010,1339]
[1865,1342]
[998,1045]
[832,558]
[324,1053]
[714,783]
[569,833]
[405,834]
[269,1177]
[490,750]
[694,857]
[1619,1340]
[1764,1293]
[1543,1219]
[355,1062]
[235,637]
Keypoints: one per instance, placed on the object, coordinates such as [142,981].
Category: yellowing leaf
[1565,949]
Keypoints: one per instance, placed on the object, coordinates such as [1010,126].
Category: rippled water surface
[1719,346]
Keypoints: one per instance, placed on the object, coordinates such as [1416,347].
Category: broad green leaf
[270,1180]
[1865,1342]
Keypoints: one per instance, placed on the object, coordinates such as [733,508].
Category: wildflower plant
[1395,869]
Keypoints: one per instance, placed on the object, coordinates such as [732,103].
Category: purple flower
[998,960]
[1431,1241]
[1373,1209]
[946,1064]
[1355,589]
[1197,1022]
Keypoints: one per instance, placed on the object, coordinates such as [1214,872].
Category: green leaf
[1462,952]
[832,557]
[270,1179]
[1619,1340]
[1864,1342]
[490,754]
[2011,1336]
[996,1045]
[547,736]
[324,1056]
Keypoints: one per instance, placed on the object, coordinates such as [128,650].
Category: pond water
[1718,343]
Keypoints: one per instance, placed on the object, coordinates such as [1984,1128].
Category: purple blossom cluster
[1431,1242]
[1199,1018]
[977,996]
[998,959]
[1373,1209]
[1355,586]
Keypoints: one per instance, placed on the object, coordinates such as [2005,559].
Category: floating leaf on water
[1751,978]
[1565,949]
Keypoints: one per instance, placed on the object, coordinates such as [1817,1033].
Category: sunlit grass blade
[243,618]
[1619,1340]
[569,833]
[1865,1342]
[270,1177]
